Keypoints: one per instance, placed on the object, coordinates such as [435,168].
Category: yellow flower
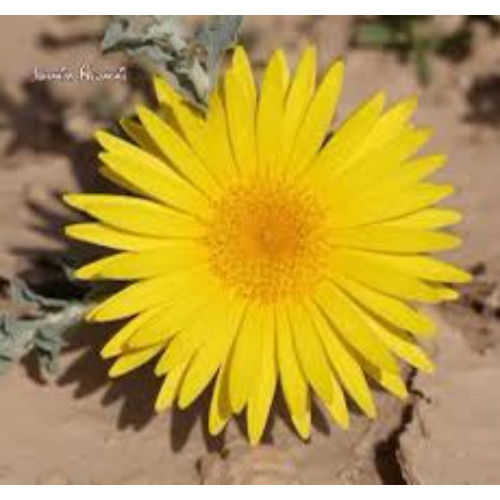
[259,254]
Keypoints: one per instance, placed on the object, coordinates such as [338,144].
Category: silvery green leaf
[168,28]
[114,34]
[218,35]
[42,333]
[20,293]
[162,45]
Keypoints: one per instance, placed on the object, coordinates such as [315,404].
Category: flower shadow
[135,391]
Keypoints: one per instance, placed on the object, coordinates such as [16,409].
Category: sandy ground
[83,429]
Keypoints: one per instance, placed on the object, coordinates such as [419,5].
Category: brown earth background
[81,428]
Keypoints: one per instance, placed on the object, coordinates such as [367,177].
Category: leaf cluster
[40,331]
[163,45]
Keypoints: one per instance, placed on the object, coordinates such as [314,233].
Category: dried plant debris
[483,97]
[417,39]
[164,45]
[483,294]
[40,329]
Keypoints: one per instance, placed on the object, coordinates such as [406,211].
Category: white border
[254,7]
[269,7]
[133,492]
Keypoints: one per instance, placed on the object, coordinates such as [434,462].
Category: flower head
[261,252]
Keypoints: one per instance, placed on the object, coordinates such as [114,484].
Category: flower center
[268,241]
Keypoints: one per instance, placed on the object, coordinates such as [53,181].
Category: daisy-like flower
[260,253]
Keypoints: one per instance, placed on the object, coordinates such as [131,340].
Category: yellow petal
[173,146]
[389,126]
[424,267]
[132,300]
[337,407]
[345,316]
[388,380]
[345,366]
[132,360]
[388,308]
[165,94]
[120,181]
[208,137]
[209,358]
[217,140]
[302,422]
[364,268]
[380,206]
[317,119]
[379,163]
[137,133]
[107,236]
[393,239]
[242,68]
[220,408]
[261,397]
[177,313]
[271,109]
[136,215]
[142,295]
[194,336]
[143,170]
[245,357]
[146,264]
[364,140]
[168,100]
[444,293]
[400,344]
[241,106]
[170,388]
[335,157]
[297,102]
[310,352]
[193,127]
[293,382]
[116,345]
[155,180]
[410,173]
[429,218]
